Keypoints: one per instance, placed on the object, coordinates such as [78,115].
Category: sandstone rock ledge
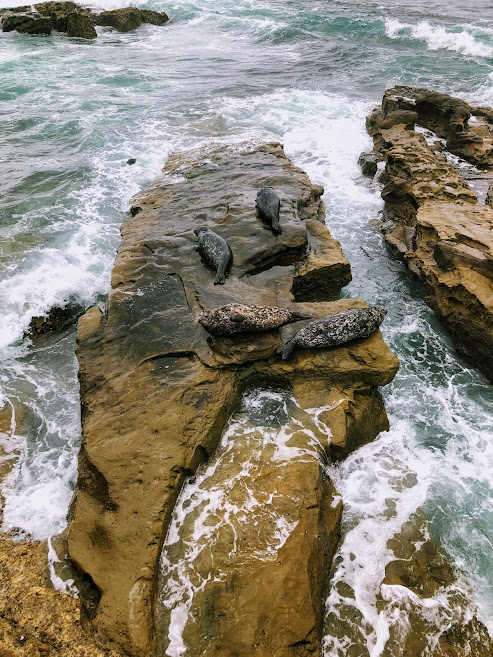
[157,392]
[432,217]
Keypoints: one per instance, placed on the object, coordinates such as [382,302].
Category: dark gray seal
[268,204]
[215,251]
[336,329]
[240,318]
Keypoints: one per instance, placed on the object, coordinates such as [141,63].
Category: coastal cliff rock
[432,217]
[157,392]
[75,20]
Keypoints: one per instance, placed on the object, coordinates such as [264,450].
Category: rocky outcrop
[466,129]
[36,620]
[157,392]
[423,571]
[432,217]
[75,20]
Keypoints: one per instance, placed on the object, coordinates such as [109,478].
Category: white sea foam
[437,37]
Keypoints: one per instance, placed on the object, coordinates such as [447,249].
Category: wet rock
[368,163]
[157,392]
[27,24]
[80,26]
[123,20]
[467,129]
[56,320]
[75,20]
[322,275]
[434,222]
[131,160]
[154,17]
[423,571]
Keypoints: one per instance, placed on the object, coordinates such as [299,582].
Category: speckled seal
[268,205]
[241,318]
[336,329]
[216,252]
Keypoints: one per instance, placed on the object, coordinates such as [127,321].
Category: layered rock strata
[74,20]
[157,391]
[433,219]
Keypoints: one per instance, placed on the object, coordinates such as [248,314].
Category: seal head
[215,251]
[335,330]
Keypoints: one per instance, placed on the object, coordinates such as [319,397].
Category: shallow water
[305,73]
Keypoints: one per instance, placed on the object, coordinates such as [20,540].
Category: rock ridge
[432,217]
[157,391]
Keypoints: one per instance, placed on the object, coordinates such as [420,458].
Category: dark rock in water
[368,164]
[132,160]
[75,20]
[240,318]
[268,204]
[216,252]
[27,24]
[336,329]
[57,320]
[154,17]
[81,26]
[123,20]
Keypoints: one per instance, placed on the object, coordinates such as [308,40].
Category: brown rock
[156,393]
[79,25]
[123,20]
[434,222]
[154,17]
[322,275]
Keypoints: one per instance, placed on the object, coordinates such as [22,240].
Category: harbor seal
[216,252]
[240,318]
[268,204]
[336,329]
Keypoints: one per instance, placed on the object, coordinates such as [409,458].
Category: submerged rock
[432,217]
[157,393]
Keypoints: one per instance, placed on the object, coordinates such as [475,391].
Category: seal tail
[296,317]
[286,349]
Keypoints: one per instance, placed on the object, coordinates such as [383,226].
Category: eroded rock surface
[157,390]
[74,20]
[432,217]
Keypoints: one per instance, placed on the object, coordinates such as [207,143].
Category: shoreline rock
[157,390]
[432,218]
[75,20]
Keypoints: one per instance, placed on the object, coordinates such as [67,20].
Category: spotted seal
[336,329]
[240,318]
[216,252]
[268,204]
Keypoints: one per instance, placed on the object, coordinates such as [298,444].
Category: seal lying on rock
[215,251]
[239,318]
[336,329]
[268,204]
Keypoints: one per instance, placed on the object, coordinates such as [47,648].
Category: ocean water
[304,73]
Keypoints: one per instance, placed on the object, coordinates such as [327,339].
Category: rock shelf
[433,219]
[157,392]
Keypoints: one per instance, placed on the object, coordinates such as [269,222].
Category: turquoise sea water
[305,73]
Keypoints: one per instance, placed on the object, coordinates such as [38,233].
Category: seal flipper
[286,349]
